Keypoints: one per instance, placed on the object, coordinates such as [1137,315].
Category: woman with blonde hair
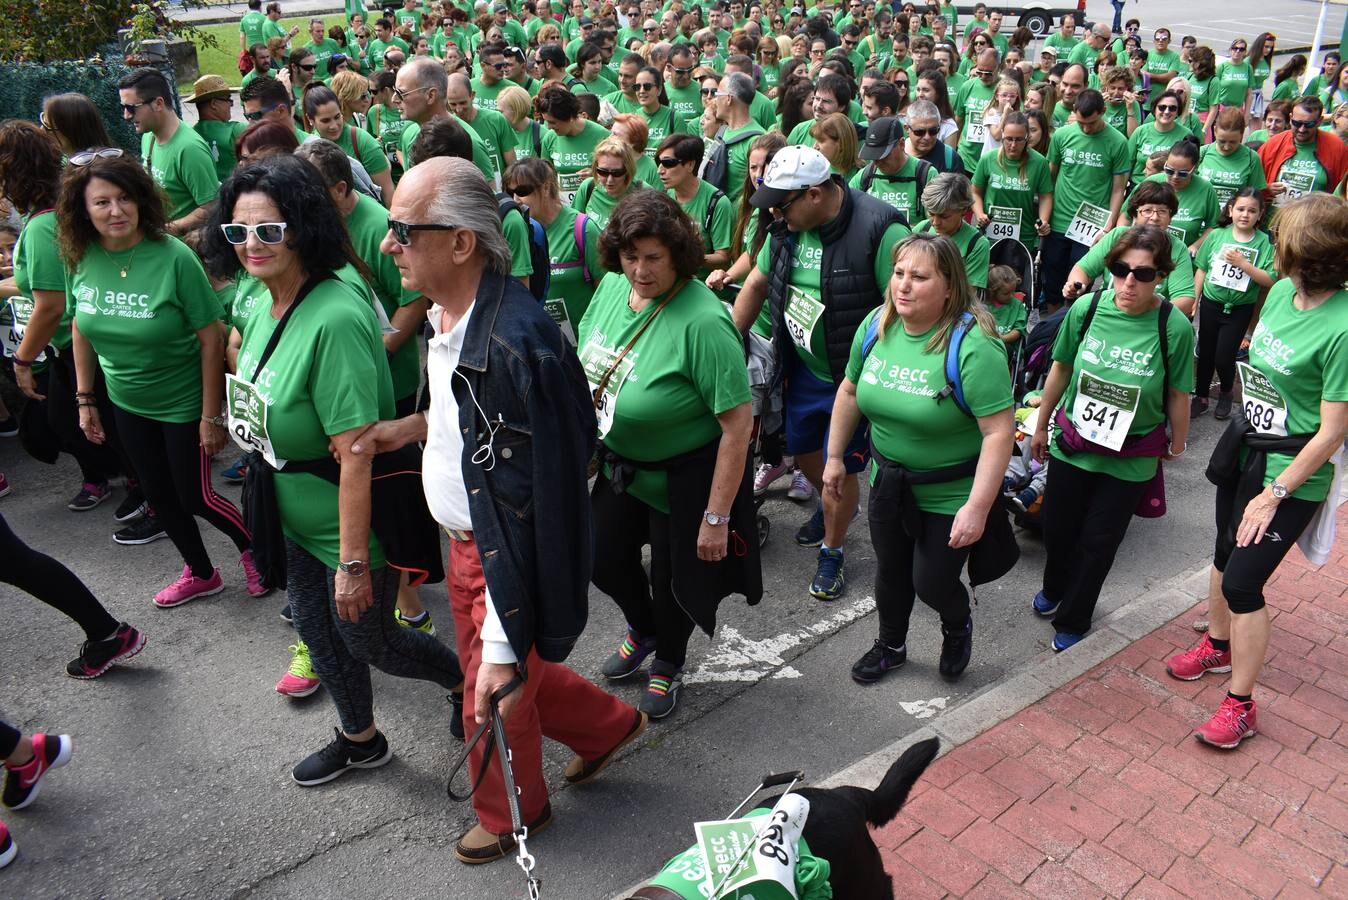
[353,93]
[517,106]
[836,137]
[937,466]
[613,175]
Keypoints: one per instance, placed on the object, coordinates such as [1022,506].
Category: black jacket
[527,496]
[846,276]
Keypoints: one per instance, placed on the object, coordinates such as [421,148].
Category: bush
[42,31]
[26,85]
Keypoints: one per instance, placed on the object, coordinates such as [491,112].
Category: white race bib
[974,130]
[1228,274]
[1298,184]
[246,411]
[11,333]
[1087,224]
[597,360]
[1103,411]
[570,186]
[802,314]
[1003,224]
[557,309]
[1261,402]
[755,857]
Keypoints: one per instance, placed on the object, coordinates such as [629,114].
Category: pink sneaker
[189,587]
[765,475]
[1233,722]
[800,489]
[50,751]
[251,575]
[8,849]
[1202,657]
[300,680]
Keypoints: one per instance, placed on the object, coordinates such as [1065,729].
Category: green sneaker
[425,624]
[300,680]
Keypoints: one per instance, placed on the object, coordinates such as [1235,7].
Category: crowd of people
[581,283]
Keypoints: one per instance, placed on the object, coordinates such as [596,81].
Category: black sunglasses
[600,172]
[257,114]
[645,86]
[1177,173]
[708,92]
[402,231]
[1297,123]
[309,67]
[668,162]
[1144,274]
[682,71]
[522,190]
[924,132]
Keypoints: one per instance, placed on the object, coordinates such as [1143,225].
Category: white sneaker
[800,489]
[766,475]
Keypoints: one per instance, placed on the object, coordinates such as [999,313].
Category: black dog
[837,831]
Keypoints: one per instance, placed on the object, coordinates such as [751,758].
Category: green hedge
[26,85]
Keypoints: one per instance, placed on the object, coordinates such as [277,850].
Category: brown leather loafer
[478,845]
[578,771]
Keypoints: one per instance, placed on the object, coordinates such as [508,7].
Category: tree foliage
[43,31]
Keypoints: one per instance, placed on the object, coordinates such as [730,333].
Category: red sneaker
[1202,657]
[7,848]
[50,751]
[1233,722]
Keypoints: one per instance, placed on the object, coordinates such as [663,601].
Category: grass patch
[224,59]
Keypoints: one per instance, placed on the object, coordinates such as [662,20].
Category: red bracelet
[25,363]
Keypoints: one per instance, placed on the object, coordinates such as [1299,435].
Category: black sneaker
[9,427]
[877,662]
[456,715]
[629,656]
[96,657]
[90,496]
[8,849]
[811,534]
[1222,411]
[340,757]
[956,648]
[145,530]
[662,691]
[287,616]
[132,506]
[1197,406]
[50,751]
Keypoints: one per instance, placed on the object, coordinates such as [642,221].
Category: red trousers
[556,702]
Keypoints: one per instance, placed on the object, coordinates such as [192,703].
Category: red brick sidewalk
[1101,790]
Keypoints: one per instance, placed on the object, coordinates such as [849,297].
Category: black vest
[846,277]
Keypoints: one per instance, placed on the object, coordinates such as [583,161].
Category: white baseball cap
[794,168]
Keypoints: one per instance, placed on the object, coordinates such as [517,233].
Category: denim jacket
[529,432]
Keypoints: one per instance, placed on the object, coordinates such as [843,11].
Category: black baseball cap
[881,136]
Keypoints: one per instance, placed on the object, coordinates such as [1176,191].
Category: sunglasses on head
[84,157]
[1143,274]
[267,232]
[402,231]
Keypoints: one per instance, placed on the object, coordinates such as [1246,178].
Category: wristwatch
[356,568]
[1278,489]
[714,520]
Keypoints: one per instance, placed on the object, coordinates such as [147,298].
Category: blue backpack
[954,386]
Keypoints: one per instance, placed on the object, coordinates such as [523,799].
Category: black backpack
[541,279]
[924,170]
[716,169]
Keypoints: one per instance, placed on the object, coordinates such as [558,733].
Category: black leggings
[52,583]
[906,568]
[97,462]
[176,477]
[1086,516]
[1219,337]
[9,739]
[622,526]
[1245,570]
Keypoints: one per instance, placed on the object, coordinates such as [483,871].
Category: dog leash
[497,739]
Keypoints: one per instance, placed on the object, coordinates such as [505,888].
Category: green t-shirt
[38,267]
[1159,63]
[1258,250]
[737,157]
[1198,208]
[327,375]
[1085,54]
[571,157]
[1116,114]
[974,249]
[897,385]
[973,98]
[368,225]
[1179,283]
[248,293]
[719,235]
[1200,94]
[660,125]
[1303,356]
[800,135]
[598,203]
[484,95]
[686,369]
[769,74]
[496,134]
[1015,196]
[1228,174]
[253,25]
[480,157]
[366,149]
[378,48]
[1124,351]
[1010,316]
[569,296]
[686,101]
[219,137]
[1231,83]
[1146,140]
[804,307]
[899,190]
[272,29]
[1303,172]
[144,326]
[1086,165]
[323,50]
[1063,44]
[623,103]
[183,167]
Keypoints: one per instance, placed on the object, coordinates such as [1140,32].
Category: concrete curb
[1000,701]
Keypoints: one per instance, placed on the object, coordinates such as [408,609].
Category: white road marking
[736,658]
[924,709]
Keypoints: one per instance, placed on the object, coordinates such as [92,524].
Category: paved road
[180,782]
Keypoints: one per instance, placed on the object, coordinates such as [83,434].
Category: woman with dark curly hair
[30,176]
[134,287]
[312,373]
[666,366]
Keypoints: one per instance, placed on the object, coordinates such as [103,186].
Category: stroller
[1011,252]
